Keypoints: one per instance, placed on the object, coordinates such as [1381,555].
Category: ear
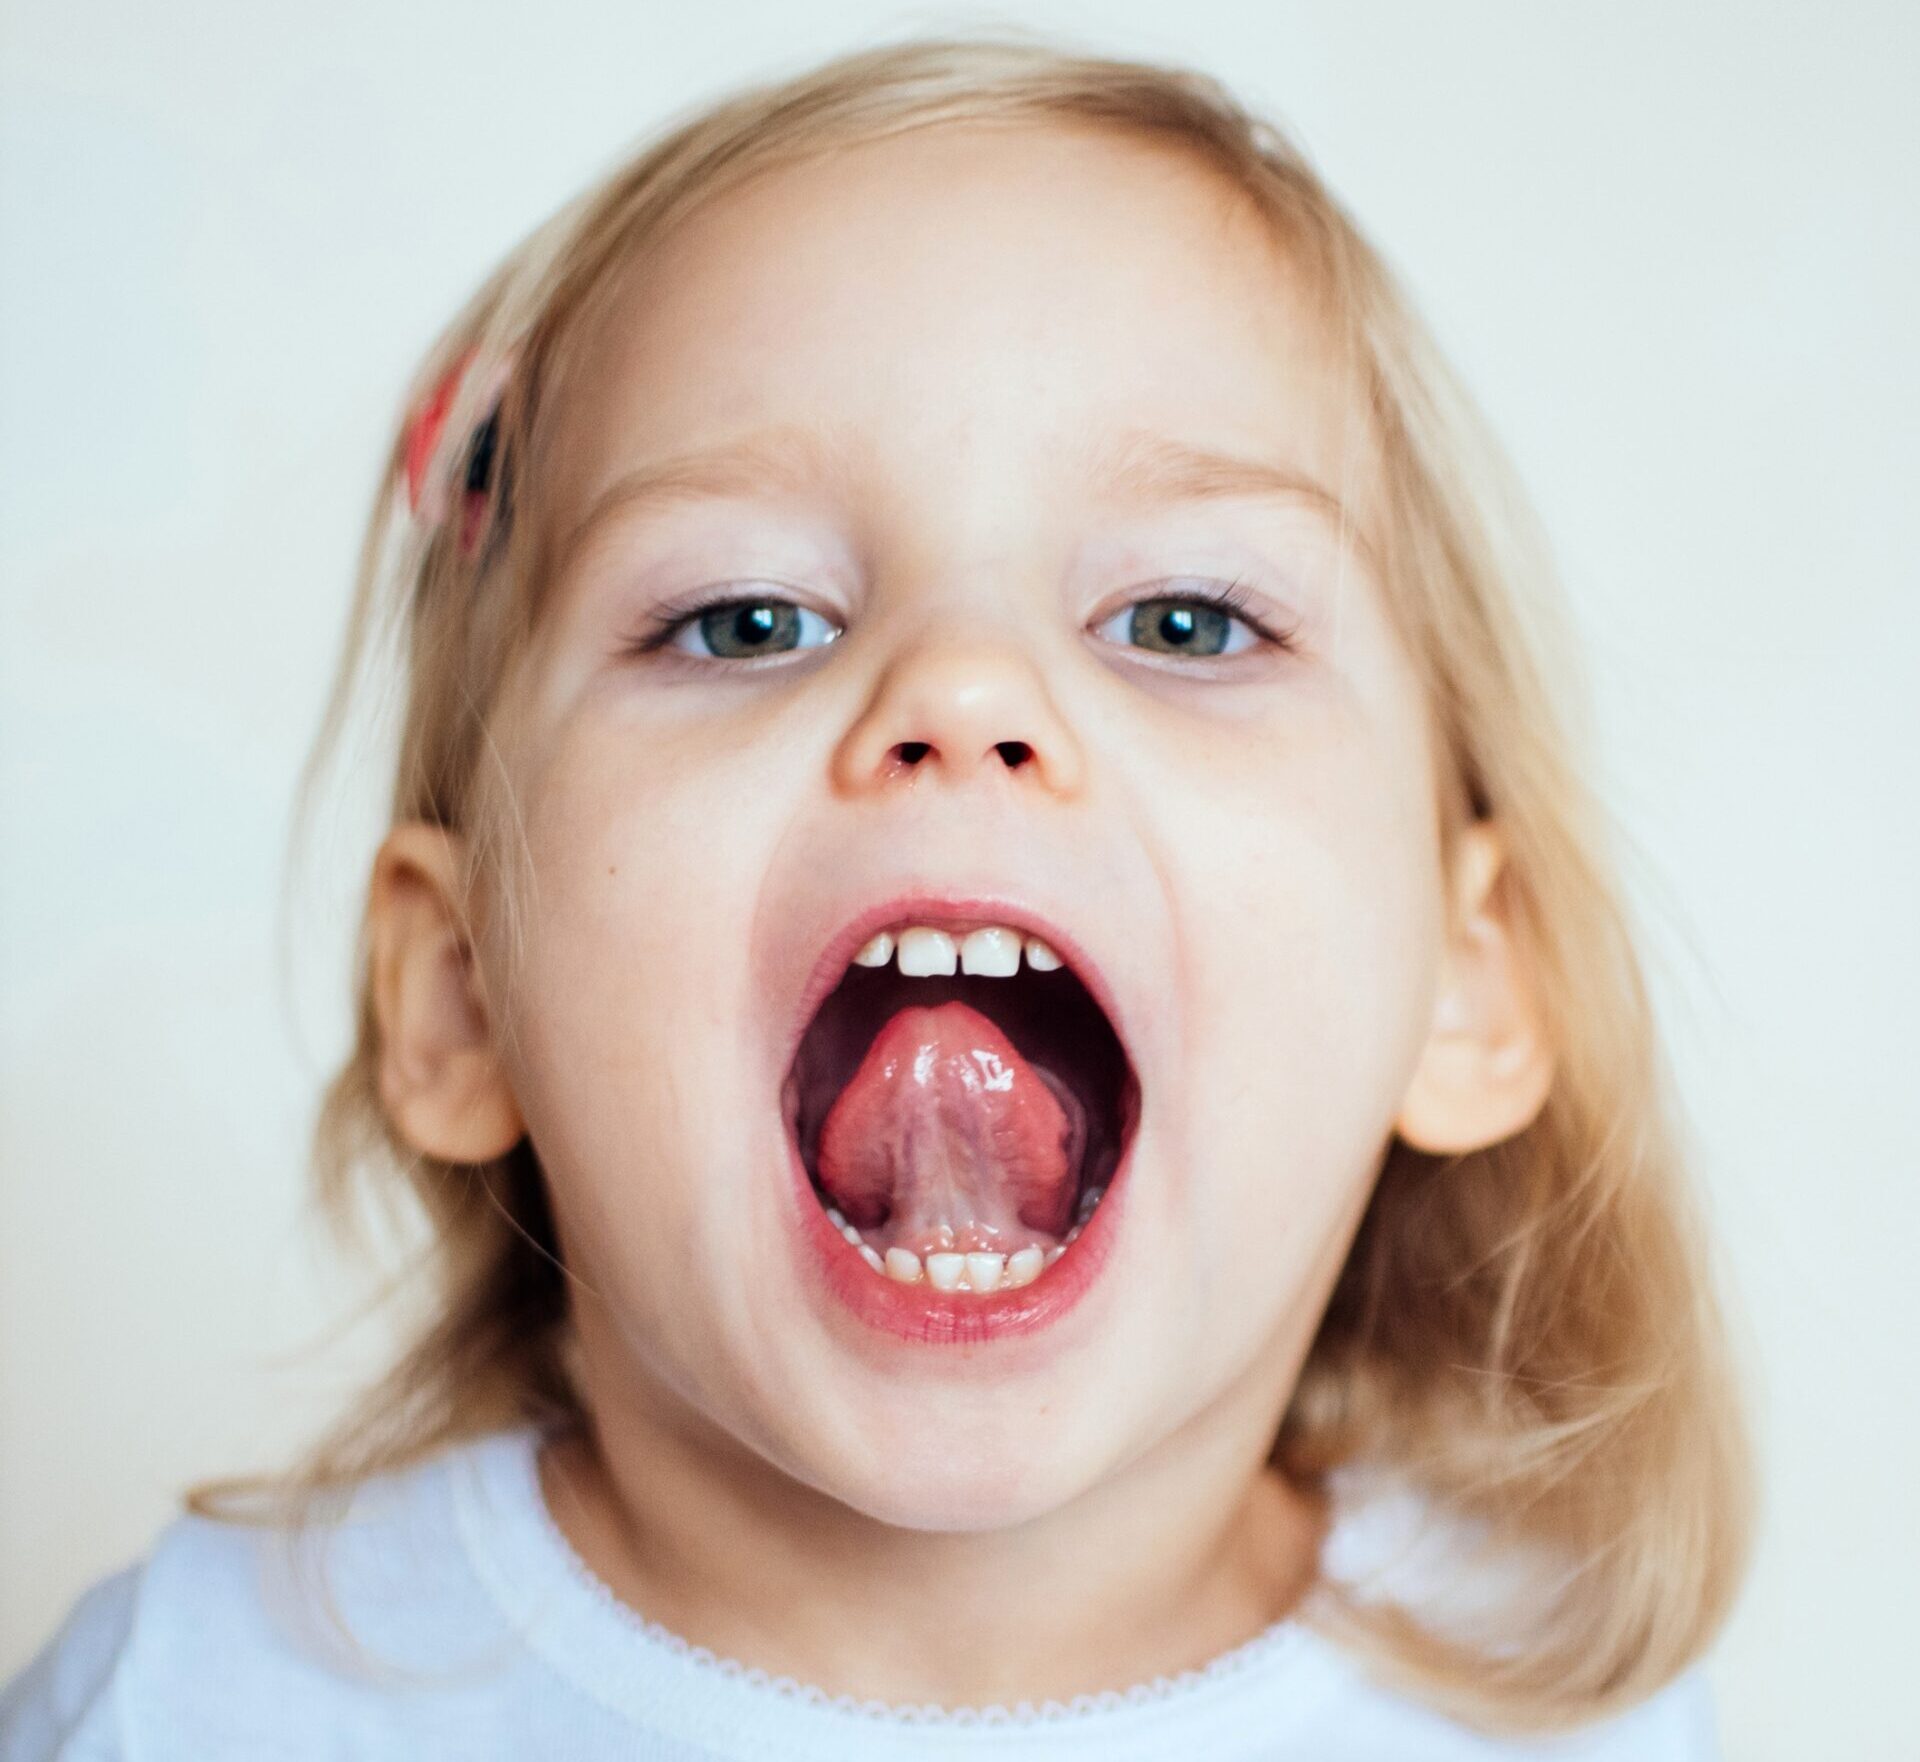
[440,1079]
[1486,1067]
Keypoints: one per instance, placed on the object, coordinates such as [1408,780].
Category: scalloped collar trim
[662,1682]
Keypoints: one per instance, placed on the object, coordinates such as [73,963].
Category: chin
[966,1493]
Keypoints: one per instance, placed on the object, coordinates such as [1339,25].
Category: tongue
[945,1123]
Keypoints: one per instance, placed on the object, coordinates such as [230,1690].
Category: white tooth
[1073,1235]
[1054,1253]
[1040,956]
[992,952]
[1088,1200]
[984,1271]
[835,1218]
[944,1270]
[924,952]
[852,1235]
[1024,1266]
[903,1264]
[877,952]
[872,1257]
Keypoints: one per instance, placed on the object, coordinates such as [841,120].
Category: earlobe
[440,1078]
[1486,1068]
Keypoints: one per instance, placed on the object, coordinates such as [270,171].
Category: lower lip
[930,1317]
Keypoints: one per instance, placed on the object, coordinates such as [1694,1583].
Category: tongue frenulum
[946,1124]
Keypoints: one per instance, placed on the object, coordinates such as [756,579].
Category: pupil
[1177,627]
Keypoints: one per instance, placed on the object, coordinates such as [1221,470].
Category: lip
[918,1312]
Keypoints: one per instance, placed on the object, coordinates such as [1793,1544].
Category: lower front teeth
[972,1272]
[946,1271]
[954,1270]
[1024,1266]
[984,1271]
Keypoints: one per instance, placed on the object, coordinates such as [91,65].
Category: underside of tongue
[946,1124]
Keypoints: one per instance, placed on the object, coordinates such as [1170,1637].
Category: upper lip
[948,910]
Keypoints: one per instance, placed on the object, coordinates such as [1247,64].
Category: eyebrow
[1149,467]
[793,458]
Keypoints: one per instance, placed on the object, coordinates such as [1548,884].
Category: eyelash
[665,623]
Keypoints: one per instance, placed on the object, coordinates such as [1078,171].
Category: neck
[717,1545]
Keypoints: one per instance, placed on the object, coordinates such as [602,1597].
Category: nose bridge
[963,698]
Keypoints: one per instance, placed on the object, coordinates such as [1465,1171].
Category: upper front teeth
[992,952]
[921,952]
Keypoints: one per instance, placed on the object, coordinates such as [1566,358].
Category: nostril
[1014,753]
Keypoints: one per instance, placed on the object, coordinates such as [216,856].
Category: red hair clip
[426,492]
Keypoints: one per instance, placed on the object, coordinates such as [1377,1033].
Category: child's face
[1245,844]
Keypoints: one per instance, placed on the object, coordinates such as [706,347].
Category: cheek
[629,1002]
[1307,898]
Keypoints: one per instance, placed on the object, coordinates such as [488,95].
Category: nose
[960,704]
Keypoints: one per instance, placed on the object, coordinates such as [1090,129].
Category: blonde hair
[1529,1331]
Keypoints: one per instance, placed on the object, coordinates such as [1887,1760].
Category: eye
[1197,621]
[737,628]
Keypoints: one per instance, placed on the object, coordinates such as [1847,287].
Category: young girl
[1039,1128]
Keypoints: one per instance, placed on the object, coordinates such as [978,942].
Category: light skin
[1249,846]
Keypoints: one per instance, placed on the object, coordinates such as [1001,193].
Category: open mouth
[959,1102]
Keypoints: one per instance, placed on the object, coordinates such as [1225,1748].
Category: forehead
[975,309]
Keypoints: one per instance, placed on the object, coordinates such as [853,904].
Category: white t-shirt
[485,1636]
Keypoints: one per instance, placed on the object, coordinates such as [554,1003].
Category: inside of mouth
[1007,1147]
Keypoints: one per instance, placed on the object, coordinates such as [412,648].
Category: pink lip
[919,1312]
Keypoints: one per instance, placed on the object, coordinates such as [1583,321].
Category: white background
[1671,248]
